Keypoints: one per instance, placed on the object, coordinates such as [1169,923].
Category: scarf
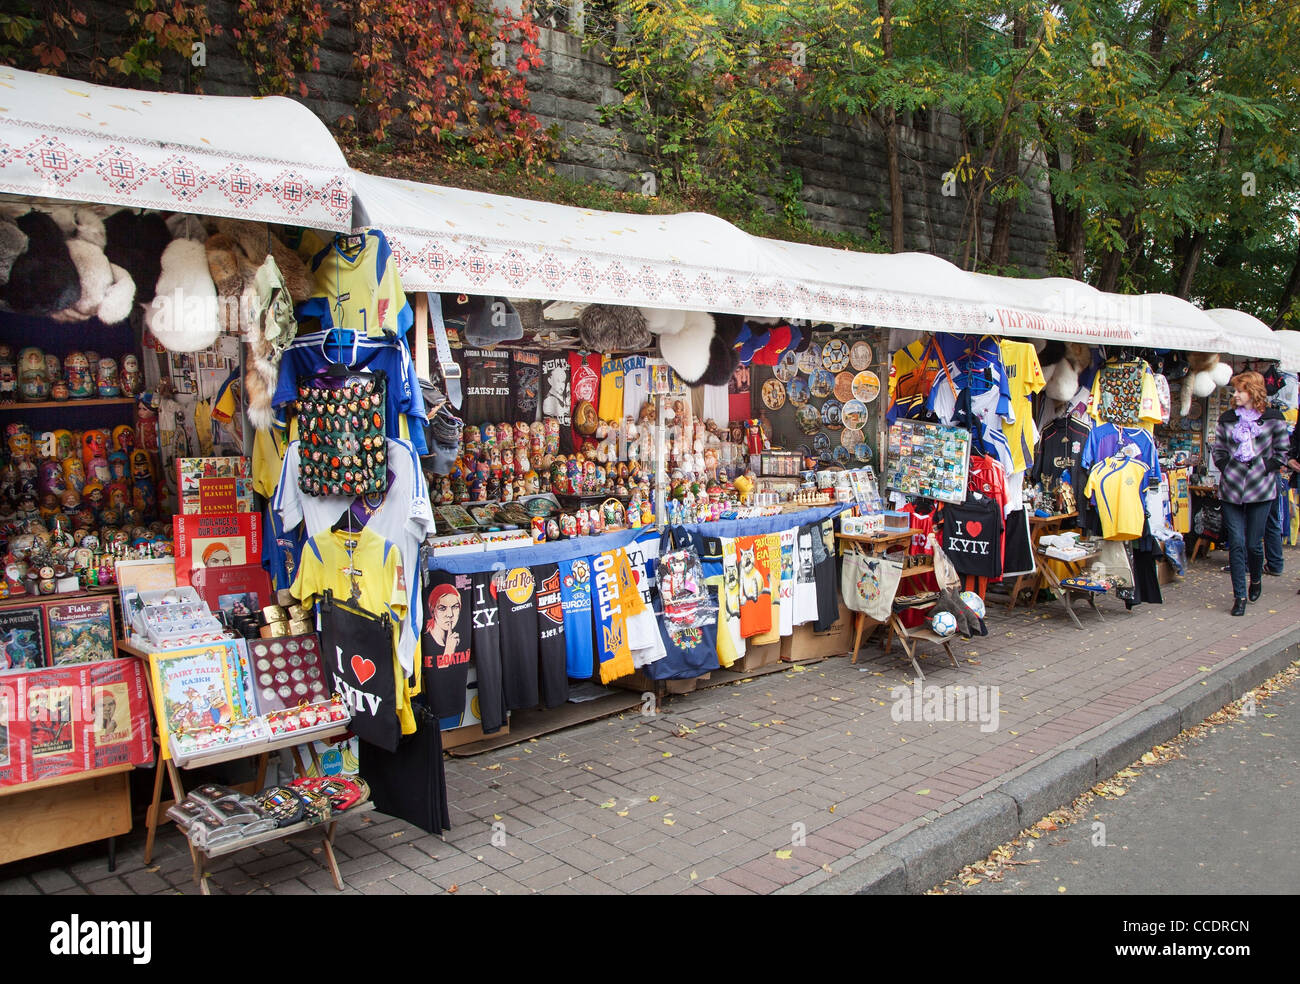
[1244,432]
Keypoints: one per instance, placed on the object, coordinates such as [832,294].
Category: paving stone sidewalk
[774,784]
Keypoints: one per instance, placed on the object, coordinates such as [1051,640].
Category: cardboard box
[804,643]
[757,657]
[1165,572]
[470,733]
[684,686]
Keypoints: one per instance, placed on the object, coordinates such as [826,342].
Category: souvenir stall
[130,268]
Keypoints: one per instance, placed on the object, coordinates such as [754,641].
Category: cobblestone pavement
[712,794]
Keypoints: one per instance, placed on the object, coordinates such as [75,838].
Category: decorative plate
[821,443]
[842,455]
[808,419]
[823,383]
[773,394]
[810,360]
[851,437]
[866,386]
[788,367]
[798,391]
[835,355]
[862,452]
[860,356]
[832,415]
[844,386]
[855,414]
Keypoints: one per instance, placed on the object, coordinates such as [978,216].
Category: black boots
[1256,589]
[1239,606]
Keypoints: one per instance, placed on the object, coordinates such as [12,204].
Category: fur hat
[12,243]
[613,328]
[703,352]
[183,315]
[185,226]
[96,275]
[43,279]
[253,239]
[223,264]
[1204,372]
[136,243]
[661,321]
[492,322]
[1063,379]
[119,299]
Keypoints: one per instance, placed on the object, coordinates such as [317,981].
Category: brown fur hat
[253,239]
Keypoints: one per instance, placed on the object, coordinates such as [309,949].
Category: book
[241,590]
[215,541]
[80,631]
[14,743]
[22,639]
[118,730]
[214,486]
[192,689]
[56,736]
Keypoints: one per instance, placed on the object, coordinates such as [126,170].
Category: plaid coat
[1251,481]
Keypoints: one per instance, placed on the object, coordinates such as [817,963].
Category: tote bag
[358,649]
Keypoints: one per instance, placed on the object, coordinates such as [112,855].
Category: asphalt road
[1221,821]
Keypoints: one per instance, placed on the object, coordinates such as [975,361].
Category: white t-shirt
[716,405]
[643,637]
[788,547]
[636,385]
[404,517]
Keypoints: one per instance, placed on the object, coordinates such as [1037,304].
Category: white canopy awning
[447,239]
[1290,342]
[1244,334]
[269,159]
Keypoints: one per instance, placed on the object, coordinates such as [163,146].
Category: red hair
[1252,384]
[440,592]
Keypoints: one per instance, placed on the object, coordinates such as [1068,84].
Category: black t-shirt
[487,654]
[1059,450]
[550,635]
[485,380]
[525,385]
[445,643]
[518,613]
[972,536]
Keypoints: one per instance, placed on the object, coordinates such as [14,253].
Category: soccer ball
[944,623]
[973,601]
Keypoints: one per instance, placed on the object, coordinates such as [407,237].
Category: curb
[926,857]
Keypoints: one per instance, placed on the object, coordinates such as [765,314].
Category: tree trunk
[1000,248]
[890,125]
[1292,287]
[1195,244]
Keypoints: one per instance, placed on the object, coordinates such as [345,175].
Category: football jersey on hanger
[356,286]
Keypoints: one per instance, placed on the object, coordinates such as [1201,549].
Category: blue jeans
[1273,531]
[1246,525]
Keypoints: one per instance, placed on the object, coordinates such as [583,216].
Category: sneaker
[1269,570]
[1227,568]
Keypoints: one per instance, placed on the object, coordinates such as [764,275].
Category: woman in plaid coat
[1251,446]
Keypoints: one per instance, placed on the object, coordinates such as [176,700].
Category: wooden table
[1047,577]
[1039,526]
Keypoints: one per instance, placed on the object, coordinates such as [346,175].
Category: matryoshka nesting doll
[552,435]
[108,380]
[81,385]
[18,438]
[53,367]
[132,377]
[33,376]
[94,444]
[124,438]
[118,466]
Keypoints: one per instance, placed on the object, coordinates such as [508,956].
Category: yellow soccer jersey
[1115,485]
[611,388]
[911,374]
[1025,376]
[1180,500]
[357,287]
[365,570]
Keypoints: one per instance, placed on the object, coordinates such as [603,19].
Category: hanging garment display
[556,397]
[611,387]
[828,602]
[611,622]
[448,601]
[517,613]
[363,570]
[1109,439]
[354,643]
[1060,452]
[551,643]
[912,373]
[733,644]
[755,586]
[525,386]
[691,650]
[584,394]
[1115,489]
[319,357]
[1025,378]
[344,450]
[972,536]
[410,783]
[575,589]
[485,378]
[642,634]
[786,582]
[357,287]
[486,651]
[805,579]
[1125,393]
[1018,553]
[688,605]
